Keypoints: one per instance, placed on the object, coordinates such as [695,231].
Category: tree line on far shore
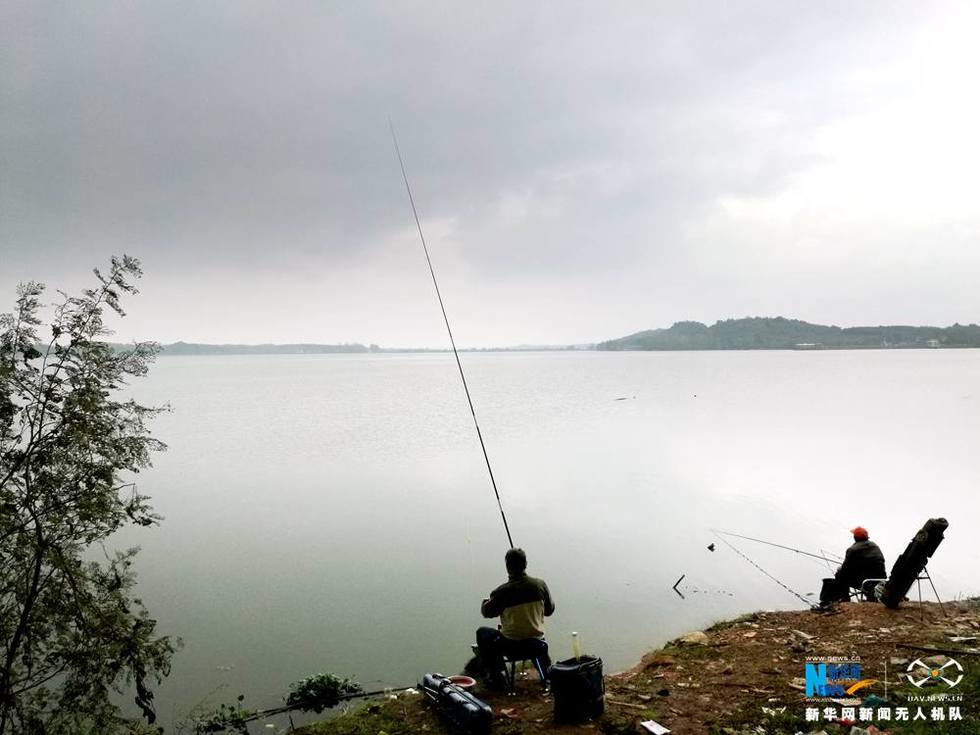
[778,333]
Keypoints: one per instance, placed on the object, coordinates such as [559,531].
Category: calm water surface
[333,513]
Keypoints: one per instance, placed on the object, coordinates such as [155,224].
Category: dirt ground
[758,661]
[719,680]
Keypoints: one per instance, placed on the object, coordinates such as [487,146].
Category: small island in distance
[750,333]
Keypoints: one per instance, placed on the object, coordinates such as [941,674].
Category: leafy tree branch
[69,447]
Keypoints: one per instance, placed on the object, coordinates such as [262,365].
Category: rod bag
[467,714]
[913,560]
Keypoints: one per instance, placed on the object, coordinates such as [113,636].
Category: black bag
[578,689]
[466,713]
[912,561]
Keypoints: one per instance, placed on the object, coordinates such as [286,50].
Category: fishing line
[792,592]
[780,546]
[452,342]
[829,568]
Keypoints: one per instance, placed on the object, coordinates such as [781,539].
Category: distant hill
[186,348]
[777,333]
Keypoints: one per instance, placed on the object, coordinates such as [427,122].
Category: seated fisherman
[522,602]
[862,560]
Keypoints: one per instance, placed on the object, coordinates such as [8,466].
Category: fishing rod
[778,546]
[452,341]
[781,584]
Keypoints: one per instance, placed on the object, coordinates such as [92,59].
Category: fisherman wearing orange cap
[863,560]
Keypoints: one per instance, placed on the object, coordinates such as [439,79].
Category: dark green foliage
[757,333]
[72,633]
[228,717]
[319,692]
[313,694]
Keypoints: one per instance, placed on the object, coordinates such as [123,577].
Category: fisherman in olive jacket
[522,602]
[862,560]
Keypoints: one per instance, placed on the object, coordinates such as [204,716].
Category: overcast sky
[582,170]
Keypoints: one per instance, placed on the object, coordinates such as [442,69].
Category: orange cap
[860,533]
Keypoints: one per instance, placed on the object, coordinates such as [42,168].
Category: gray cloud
[548,144]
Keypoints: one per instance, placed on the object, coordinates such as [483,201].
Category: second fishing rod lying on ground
[452,342]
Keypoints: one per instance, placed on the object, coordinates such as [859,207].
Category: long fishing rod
[442,306]
[781,584]
[778,546]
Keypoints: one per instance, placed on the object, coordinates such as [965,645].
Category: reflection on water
[333,512]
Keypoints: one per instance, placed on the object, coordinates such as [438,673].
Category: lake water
[333,512]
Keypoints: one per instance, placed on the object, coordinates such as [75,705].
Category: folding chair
[532,649]
[866,592]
